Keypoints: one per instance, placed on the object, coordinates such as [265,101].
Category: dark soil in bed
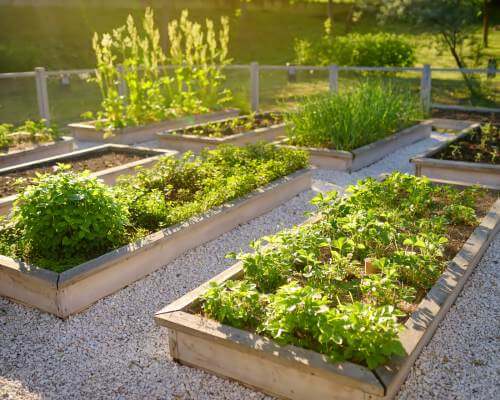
[469,116]
[14,182]
[479,146]
[233,126]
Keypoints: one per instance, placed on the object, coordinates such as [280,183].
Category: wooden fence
[40,76]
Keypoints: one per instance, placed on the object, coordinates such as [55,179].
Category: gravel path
[114,350]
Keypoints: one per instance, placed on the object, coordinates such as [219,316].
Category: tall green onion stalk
[358,116]
[135,84]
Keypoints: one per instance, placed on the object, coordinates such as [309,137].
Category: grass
[60,38]
[361,115]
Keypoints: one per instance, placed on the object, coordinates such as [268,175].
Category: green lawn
[59,38]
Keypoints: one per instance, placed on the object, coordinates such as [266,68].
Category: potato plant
[308,286]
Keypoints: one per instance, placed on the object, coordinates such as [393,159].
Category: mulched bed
[468,116]
[233,126]
[475,148]
[91,162]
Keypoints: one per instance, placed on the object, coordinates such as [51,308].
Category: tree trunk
[348,22]
[461,64]
[330,11]
[486,22]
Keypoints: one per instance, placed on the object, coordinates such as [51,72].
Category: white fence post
[426,88]
[42,94]
[254,86]
[333,78]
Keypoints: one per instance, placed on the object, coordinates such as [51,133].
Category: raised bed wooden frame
[65,144]
[108,175]
[457,172]
[290,372]
[170,139]
[361,157]
[86,131]
[74,290]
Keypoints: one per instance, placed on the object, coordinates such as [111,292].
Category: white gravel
[114,350]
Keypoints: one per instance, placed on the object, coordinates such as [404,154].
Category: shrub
[69,216]
[152,93]
[5,139]
[358,116]
[368,50]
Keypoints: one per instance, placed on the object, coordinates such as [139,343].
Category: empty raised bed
[161,212]
[357,127]
[88,131]
[237,131]
[341,306]
[471,158]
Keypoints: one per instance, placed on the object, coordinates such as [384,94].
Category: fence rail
[40,76]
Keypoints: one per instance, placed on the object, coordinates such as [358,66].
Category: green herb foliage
[358,116]
[176,189]
[307,286]
[68,218]
[30,131]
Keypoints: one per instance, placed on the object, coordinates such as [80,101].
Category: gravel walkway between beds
[115,351]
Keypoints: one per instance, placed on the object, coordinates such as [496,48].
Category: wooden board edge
[431,311]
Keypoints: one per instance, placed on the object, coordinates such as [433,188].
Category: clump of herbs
[65,217]
[353,118]
[308,286]
[176,189]
[28,132]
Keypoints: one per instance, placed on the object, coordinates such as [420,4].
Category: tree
[486,21]
[452,20]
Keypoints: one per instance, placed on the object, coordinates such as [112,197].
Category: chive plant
[358,116]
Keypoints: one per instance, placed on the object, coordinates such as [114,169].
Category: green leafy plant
[368,50]
[177,188]
[307,285]
[137,88]
[28,132]
[480,145]
[68,216]
[361,115]
[5,138]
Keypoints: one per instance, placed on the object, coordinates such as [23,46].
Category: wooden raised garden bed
[36,152]
[441,165]
[363,156]
[86,131]
[290,372]
[73,290]
[107,162]
[264,126]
